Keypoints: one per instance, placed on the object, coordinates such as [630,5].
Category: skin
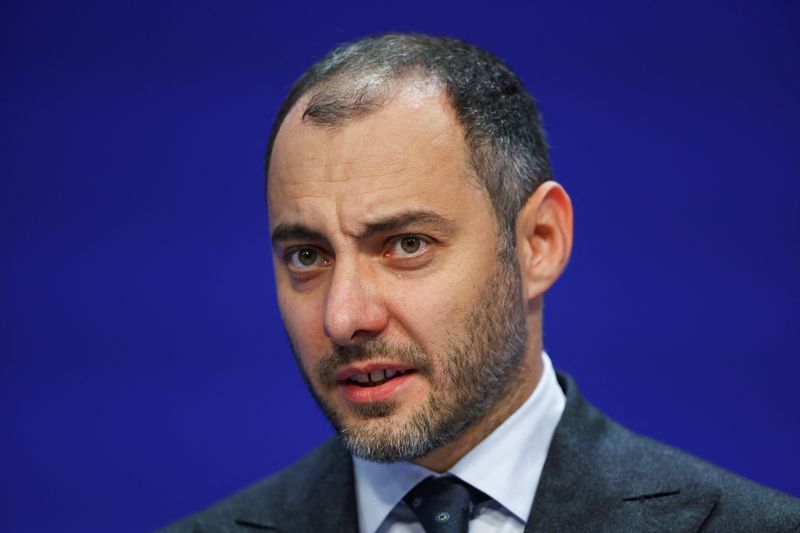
[351,195]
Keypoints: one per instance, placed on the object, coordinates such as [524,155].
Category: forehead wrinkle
[349,178]
[353,169]
[327,190]
[376,190]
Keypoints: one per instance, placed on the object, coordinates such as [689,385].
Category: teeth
[375,377]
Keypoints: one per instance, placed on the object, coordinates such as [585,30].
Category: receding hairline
[390,88]
[374,90]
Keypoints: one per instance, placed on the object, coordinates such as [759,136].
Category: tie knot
[443,504]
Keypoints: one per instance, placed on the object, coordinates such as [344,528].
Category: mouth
[376,377]
[373,382]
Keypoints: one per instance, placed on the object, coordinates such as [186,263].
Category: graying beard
[416,438]
[498,327]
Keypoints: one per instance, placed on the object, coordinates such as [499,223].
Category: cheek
[434,313]
[302,317]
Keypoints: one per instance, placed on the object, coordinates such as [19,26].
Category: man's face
[407,325]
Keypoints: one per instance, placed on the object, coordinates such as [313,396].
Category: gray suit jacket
[598,477]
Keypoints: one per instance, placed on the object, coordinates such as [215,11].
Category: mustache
[408,354]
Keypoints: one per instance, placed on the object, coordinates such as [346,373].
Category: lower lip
[358,394]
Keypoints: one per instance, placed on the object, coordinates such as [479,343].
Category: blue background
[144,370]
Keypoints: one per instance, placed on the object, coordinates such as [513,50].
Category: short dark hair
[502,125]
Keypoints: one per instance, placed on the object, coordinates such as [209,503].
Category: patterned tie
[444,504]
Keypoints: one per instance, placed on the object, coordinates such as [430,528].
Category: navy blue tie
[444,504]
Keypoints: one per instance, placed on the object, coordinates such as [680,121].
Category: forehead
[409,151]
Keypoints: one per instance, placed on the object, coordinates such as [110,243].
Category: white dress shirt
[506,466]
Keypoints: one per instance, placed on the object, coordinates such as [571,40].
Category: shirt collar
[506,465]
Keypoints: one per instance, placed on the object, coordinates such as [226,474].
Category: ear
[544,238]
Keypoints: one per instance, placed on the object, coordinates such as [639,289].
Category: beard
[478,368]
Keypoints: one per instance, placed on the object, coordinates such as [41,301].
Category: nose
[354,310]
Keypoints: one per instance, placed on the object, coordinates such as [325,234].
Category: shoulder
[741,504]
[641,478]
[284,497]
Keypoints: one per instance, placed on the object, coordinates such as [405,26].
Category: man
[415,229]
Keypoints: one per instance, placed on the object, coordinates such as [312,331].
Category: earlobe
[544,238]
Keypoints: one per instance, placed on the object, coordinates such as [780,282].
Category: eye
[305,259]
[408,245]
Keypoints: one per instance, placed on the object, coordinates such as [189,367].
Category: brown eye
[410,244]
[304,258]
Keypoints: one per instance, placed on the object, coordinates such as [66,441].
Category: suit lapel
[322,498]
[600,477]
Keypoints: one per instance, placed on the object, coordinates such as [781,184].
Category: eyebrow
[405,219]
[294,232]
[299,232]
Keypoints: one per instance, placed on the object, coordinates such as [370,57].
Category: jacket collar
[318,498]
[600,477]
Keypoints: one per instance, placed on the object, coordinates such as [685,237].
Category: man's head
[410,248]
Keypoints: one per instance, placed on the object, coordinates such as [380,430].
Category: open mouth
[375,381]
[376,377]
